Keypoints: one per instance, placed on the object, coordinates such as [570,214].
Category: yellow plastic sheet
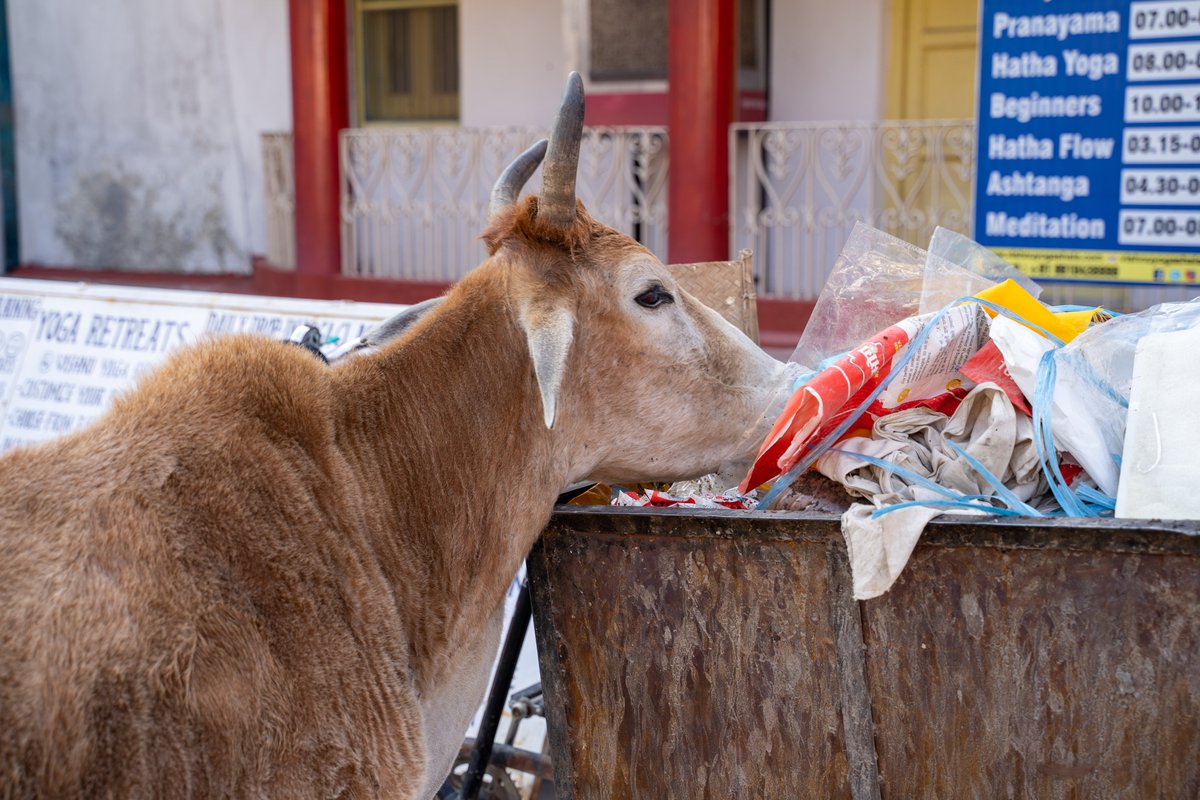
[1066,325]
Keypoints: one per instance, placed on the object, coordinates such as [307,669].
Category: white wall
[828,59]
[138,126]
[138,121]
[513,63]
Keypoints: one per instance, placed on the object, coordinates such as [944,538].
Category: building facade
[138,122]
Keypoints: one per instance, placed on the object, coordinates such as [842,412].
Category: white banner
[66,349]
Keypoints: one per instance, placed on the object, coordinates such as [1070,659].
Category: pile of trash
[935,382]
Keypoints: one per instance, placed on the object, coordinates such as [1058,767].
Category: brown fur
[241,580]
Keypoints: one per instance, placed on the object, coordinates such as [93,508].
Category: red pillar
[320,108]
[700,70]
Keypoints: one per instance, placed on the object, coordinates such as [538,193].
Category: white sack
[986,426]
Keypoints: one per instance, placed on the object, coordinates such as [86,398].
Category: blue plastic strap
[1004,312]
[1101,309]
[1005,494]
[989,509]
[1096,497]
[1043,437]
[902,472]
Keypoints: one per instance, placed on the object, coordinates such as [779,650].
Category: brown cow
[258,575]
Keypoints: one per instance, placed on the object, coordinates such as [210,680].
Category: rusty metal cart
[696,654]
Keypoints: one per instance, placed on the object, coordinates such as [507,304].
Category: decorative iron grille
[414,200]
[797,189]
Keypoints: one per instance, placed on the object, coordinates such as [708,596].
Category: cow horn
[556,203]
[508,185]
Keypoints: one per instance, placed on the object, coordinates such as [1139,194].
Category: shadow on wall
[113,218]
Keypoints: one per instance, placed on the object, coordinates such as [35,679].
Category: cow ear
[395,326]
[549,327]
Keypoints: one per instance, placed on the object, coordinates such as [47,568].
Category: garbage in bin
[657,499]
[937,383]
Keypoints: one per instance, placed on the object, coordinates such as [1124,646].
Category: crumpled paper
[985,425]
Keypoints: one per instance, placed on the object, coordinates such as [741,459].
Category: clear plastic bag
[1096,370]
[958,267]
[866,315]
[879,280]
[875,283]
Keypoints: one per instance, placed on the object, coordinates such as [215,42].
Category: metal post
[8,158]
[505,667]
[701,95]
[320,109]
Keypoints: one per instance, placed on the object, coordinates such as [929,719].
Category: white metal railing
[414,200]
[796,190]
[279,199]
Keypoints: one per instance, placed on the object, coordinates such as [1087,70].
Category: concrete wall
[513,62]
[138,126]
[828,60]
[138,121]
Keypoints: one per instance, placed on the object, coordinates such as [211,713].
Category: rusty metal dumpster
[697,654]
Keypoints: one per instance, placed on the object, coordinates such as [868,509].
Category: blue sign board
[1089,138]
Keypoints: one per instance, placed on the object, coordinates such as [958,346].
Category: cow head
[647,382]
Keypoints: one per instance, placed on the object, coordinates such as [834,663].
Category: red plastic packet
[817,403]
[987,366]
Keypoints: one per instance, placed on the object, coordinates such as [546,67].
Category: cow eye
[654,297]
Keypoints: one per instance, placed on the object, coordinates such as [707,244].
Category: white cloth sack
[986,426]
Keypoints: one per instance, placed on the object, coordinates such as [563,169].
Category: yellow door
[932,64]
[926,167]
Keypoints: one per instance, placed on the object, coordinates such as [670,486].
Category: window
[752,45]
[628,41]
[407,54]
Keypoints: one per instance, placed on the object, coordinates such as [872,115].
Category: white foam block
[1160,464]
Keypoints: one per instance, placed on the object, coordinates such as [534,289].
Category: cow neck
[445,431]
